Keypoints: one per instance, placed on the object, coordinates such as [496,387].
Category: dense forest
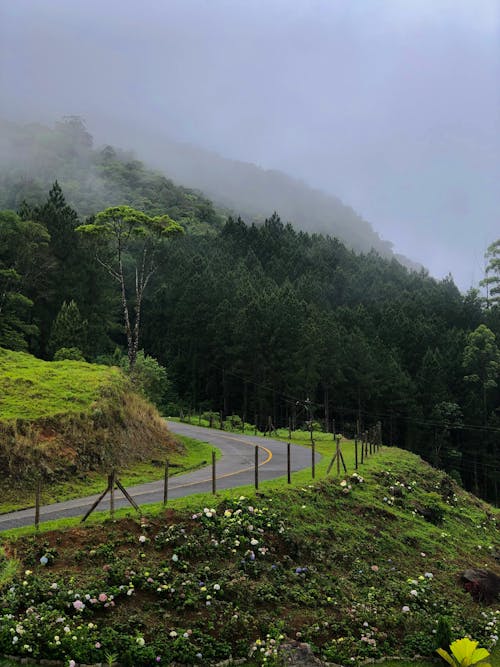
[256,320]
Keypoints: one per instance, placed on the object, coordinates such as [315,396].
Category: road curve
[234,468]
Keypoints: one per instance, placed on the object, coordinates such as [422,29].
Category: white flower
[414,593]
[405,609]
[142,539]
[173,633]
[175,558]
[216,587]
[428,575]
[140,641]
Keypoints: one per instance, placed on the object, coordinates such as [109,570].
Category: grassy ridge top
[32,389]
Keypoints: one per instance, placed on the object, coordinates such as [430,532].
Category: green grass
[33,389]
[196,454]
[8,569]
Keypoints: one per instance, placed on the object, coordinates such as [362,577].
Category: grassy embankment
[71,422]
[359,572]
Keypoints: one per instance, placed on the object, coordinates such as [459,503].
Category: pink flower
[97,644]
[78,605]
[102,597]
[374,568]
[72,663]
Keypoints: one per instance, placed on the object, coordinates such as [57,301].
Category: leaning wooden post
[313,459]
[38,490]
[288,464]
[214,478]
[112,494]
[256,466]
[356,452]
[165,483]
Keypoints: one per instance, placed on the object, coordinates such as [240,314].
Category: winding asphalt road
[234,468]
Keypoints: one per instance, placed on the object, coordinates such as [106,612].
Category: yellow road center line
[201,481]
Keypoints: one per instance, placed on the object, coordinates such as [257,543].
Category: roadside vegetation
[360,566]
[69,422]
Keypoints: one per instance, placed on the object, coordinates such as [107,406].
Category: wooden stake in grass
[165,483]
[38,492]
[256,467]
[338,456]
[313,459]
[111,486]
[214,478]
[112,481]
[288,464]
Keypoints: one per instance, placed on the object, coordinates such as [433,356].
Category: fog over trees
[391,107]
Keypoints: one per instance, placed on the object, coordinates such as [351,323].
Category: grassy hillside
[33,389]
[360,567]
[62,419]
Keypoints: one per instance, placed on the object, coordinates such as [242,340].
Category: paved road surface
[234,468]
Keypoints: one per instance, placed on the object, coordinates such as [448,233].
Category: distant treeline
[254,320]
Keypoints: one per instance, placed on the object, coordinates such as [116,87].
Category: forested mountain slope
[33,156]
[255,319]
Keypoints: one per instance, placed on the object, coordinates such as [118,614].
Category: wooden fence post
[288,464]
[38,491]
[256,467]
[214,478]
[165,483]
[111,484]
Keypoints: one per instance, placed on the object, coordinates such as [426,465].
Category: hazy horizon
[392,107]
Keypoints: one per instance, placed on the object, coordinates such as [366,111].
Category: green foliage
[70,353]
[492,278]
[68,330]
[443,632]
[23,244]
[149,378]
[464,652]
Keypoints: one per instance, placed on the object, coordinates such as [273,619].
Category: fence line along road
[236,467]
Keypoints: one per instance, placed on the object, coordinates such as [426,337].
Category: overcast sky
[392,105]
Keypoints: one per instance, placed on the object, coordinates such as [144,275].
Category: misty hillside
[33,156]
[254,193]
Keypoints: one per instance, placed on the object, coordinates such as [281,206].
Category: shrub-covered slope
[360,568]
[63,418]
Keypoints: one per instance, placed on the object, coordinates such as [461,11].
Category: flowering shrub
[200,588]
